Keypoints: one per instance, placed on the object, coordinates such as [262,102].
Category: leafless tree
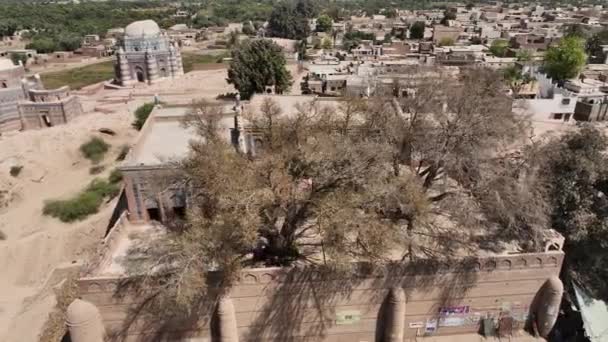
[427,175]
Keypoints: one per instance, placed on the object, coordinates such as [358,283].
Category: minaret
[124,71]
[152,67]
[178,62]
[172,61]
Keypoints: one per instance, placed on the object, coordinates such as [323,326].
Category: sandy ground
[54,168]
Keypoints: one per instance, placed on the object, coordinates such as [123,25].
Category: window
[558,116]
[565,101]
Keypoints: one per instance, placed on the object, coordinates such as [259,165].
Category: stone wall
[9,109]
[287,304]
[37,115]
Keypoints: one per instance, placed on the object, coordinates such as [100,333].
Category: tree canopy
[289,20]
[499,47]
[417,30]
[576,169]
[372,180]
[324,23]
[257,64]
[594,47]
[566,60]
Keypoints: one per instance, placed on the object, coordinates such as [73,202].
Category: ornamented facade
[146,55]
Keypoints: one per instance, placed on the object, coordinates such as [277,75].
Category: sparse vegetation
[115,176]
[124,150]
[16,170]
[79,77]
[141,115]
[84,204]
[97,169]
[95,149]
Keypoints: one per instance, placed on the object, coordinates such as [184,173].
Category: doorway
[140,74]
[154,214]
[45,119]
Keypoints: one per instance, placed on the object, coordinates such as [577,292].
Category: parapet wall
[290,304]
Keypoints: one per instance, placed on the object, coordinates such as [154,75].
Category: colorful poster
[453,310]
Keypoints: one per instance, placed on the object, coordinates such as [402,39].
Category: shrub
[94,170]
[141,115]
[115,176]
[103,188]
[77,208]
[94,149]
[124,150]
[16,170]
[82,205]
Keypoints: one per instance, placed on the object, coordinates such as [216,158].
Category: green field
[203,62]
[79,77]
[99,72]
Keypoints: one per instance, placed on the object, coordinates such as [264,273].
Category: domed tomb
[146,55]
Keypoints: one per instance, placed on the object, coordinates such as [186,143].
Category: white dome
[144,28]
[6,64]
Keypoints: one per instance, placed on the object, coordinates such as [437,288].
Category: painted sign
[453,310]
[415,325]
[348,317]
[451,321]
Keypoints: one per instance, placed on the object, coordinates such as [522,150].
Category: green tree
[286,22]
[19,57]
[594,47]
[515,78]
[43,45]
[448,14]
[566,60]
[326,44]
[324,23]
[576,169]
[417,30]
[257,64]
[524,56]
[499,47]
[248,29]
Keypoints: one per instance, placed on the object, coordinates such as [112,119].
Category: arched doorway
[140,74]
[163,72]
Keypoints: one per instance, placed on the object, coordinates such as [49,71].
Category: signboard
[415,325]
[451,321]
[348,317]
[453,310]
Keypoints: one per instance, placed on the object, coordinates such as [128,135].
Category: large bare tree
[429,175]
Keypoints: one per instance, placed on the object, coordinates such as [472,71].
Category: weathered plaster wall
[303,305]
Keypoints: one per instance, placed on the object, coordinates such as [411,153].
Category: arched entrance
[140,74]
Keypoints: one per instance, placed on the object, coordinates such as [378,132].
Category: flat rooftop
[166,137]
